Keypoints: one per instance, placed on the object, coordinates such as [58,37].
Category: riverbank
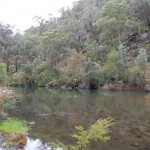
[116,86]
[13,132]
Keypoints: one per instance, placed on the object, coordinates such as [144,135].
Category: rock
[105,87]
[3,144]
[112,87]
[81,86]
[63,87]
[136,144]
[148,134]
[8,92]
[31,123]
[4,116]
[147,88]
[1,139]
[119,86]
[69,88]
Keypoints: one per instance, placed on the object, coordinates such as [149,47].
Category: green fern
[97,132]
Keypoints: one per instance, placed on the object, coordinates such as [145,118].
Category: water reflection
[37,145]
[56,112]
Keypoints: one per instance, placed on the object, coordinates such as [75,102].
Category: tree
[115,22]
[16,45]
[141,10]
[5,41]
[93,75]
[112,66]
[53,43]
[3,73]
[142,58]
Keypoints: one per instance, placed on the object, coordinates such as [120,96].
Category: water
[56,112]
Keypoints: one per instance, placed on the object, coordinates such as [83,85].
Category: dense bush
[112,67]
[93,75]
[3,74]
[134,75]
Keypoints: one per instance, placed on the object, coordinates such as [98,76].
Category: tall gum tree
[5,40]
[115,22]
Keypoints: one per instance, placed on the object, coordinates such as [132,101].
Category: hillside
[97,43]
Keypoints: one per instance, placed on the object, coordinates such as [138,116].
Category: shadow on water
[56,112]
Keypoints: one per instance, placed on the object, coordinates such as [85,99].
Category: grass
[13,125]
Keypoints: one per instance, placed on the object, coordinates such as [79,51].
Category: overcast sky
[21,12]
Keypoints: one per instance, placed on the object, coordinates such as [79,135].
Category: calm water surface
[56,112]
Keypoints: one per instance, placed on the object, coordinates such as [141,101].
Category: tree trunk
[146,15]
[120,43]
[16,64]
[7,60]
[120,52]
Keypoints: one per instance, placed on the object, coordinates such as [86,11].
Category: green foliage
[45,74]
[93,74]
[13,125]
[134,74]
[71,80]
[52,45]
[97,132]
[3,74]
[24,76]
[87,31]
[112,67]
[115,20]
[142,58]
[8,103]
[28,45]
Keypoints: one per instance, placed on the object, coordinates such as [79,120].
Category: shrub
[45,74]
[93,75]
[142,58]
[97,132]
[111,68]
[24,76]
[3,73]
[134,75]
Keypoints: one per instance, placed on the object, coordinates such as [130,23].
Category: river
[57,112]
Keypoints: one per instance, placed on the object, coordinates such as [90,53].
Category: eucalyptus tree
[5,41]
[71,24]
[16,46]
[141,10]
[78,22]
[53,44]
[115,23]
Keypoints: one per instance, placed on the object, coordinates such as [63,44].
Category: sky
[20,13]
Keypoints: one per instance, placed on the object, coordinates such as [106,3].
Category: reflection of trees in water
[84,104]
[51,101]
[66,109]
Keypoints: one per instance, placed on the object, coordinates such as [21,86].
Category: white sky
[21,12]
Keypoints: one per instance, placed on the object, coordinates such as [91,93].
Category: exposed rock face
[8,92]
[81,86]
[63,87]
[147,88]
[1,139]
[107,87]
[120,86]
